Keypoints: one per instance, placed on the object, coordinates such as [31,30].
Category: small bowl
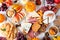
[53,29]
[10,10]
[48,17]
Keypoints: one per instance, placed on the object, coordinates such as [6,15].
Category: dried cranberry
[17,25]
[38,2]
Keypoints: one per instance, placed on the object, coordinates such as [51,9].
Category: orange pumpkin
[35,39]
[30,6]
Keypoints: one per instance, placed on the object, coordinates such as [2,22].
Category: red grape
[20,36]
[50,1]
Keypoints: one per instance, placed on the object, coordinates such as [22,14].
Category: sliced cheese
[26,26]
[33,14]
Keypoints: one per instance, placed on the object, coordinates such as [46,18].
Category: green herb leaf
[3,29]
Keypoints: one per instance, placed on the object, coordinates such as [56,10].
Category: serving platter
[28,27]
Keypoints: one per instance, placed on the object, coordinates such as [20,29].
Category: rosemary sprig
[4,29]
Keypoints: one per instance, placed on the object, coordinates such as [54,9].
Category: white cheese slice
[26,26]
[33,14]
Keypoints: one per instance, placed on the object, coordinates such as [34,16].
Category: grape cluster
[3,7]
[50,1]
[20,36]
[53,8]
